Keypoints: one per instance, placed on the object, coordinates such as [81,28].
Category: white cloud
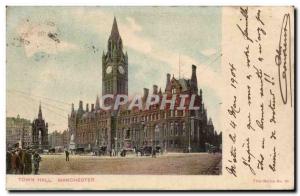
[102,23]
[134,26]
[37,38]
[209,51]
[129,32]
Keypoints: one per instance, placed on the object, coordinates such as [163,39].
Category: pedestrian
[36,162]
[14,162]
[67,155]
[18,161]
[28,162]
[8,162]
[21,155]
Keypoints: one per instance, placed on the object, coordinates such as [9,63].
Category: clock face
[121,69]
[108,69]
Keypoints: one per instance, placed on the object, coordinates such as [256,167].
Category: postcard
[150,98]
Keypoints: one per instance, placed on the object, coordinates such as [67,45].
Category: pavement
[166,164]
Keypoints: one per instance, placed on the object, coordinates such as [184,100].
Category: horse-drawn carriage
[79,150]
[52,150]
[99,150]
[148,150]
[213,149]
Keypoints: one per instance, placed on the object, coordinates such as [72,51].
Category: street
[167,164]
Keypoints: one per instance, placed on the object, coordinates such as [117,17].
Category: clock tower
[114,65]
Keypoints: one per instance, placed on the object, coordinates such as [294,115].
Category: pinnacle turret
[97,103]
[40,115]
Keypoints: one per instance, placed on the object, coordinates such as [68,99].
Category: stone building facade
[173,130]
[65,138]
[55,139]
[59,139]
[18,130]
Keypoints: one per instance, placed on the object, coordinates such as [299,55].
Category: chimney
[168,81]
[168,78]
[155,89]
[194,68]
[93,108]
[87,107]
[80,105]
[194,83]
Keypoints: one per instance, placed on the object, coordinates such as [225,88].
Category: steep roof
[114,35]
[185,84]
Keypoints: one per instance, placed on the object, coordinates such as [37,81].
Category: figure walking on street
[67,155]
[153,153]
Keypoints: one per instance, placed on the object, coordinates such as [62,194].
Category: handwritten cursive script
[283,59]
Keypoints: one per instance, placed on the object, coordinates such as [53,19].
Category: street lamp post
[116,143]
[144,131]
[141,129]
[156,130]
[116,121]
[190,131]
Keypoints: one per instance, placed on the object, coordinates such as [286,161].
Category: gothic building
[173,130]
[40,132]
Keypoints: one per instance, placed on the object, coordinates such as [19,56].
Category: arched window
[172,129]
[146,131]
[127,135]
[173,90]
[176,128]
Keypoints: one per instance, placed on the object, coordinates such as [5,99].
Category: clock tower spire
[114,65]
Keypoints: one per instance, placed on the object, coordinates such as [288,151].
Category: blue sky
[40,69]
